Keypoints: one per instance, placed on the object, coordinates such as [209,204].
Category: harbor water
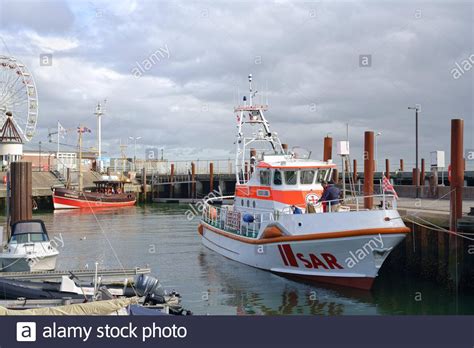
[164,237]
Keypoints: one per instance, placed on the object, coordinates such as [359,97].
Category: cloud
[304,57]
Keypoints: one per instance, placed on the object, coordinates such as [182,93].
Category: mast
[252,116]
[99,111]
[80,158]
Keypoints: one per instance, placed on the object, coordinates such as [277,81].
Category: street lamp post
[417,176]
[134,139]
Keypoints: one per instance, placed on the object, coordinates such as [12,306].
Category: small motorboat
[28,249]
[147,288]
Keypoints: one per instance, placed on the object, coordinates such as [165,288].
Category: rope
[440,229]
[108,241]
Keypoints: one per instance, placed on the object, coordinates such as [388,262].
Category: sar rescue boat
[277,222]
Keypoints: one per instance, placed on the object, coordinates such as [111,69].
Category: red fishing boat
[109,192]
[106,194]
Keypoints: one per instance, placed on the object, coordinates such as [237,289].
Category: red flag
[388,187]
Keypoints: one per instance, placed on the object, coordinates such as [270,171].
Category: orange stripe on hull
[82,204]
[312,236]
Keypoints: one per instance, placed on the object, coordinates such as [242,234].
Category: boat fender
[200,229]
[248,218]
[213,213]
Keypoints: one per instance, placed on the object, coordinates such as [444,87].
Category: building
[11,143]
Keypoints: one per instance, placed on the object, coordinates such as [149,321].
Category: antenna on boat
[250,88]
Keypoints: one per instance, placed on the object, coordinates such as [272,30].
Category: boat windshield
[29,238]
[28,231]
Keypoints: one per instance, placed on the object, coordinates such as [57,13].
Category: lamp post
[417,176]
[134,139]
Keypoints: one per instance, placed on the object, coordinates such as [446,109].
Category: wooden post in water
[387,168]
[211,177]
[193,180]
[457,170]
[369,169]
[21,200]
[144,183]
[172,181]
[422,173]
[285,148]
[401,165]
[327,153]
[414,177]
[354,173]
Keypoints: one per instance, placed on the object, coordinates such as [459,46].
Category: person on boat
[296,210]
[330,197]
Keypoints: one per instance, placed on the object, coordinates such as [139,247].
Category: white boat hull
[348,258]
[25,263]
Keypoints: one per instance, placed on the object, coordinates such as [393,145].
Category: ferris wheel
[18,96]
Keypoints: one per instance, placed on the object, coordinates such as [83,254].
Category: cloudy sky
[305,57]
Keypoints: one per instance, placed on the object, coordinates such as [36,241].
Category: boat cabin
[28,231]
[280,185]
[109,186]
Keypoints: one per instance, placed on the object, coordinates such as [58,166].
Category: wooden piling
[457,170]
[285,148]
[387,168]
[144,184]
[401,165]
[415,177]
[193,180]
[172,181]
[327,152]
[368,169]
[354,173]
[211,177]
[21,199]
[422,173]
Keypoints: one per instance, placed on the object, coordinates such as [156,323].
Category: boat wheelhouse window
[290,177]
[307,177]
[277,178]
[265,177]
[322,175]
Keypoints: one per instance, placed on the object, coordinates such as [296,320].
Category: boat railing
[248,224]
